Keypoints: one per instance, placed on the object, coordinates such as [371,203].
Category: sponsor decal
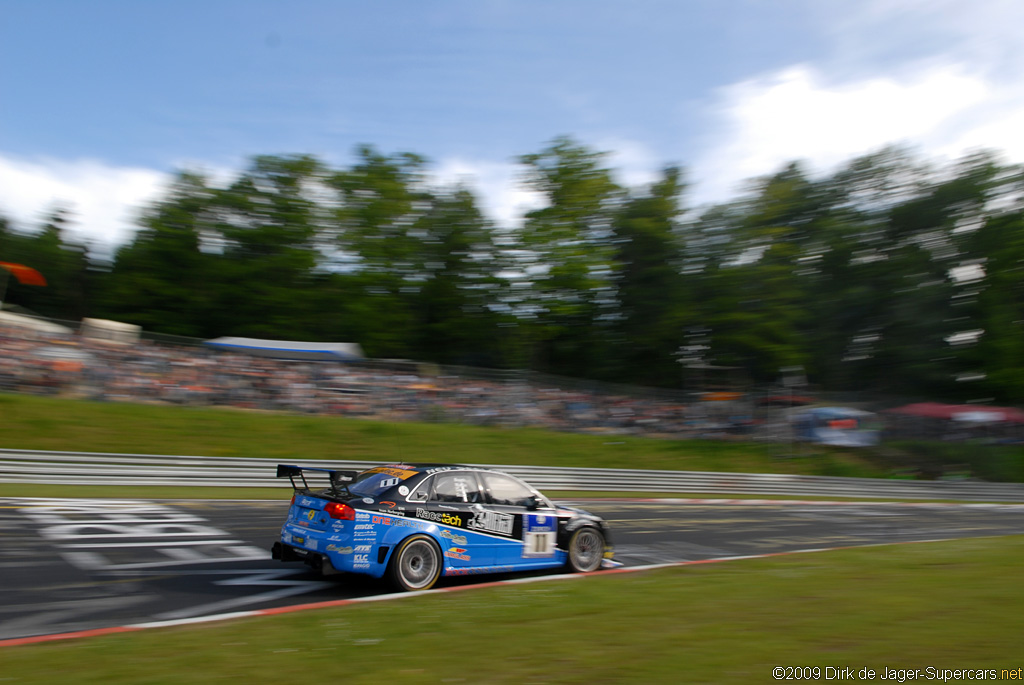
[368,500]
[390,482]
[438,517]
[399,473]
[363,549]
[454,537]
[365,530]
[492,522]
[539,535]
[339,550]
[362,516]
[391,506]
[457,553]
[299,539]
[361,561]
[311,515]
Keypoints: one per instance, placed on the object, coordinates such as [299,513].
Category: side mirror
[532,503]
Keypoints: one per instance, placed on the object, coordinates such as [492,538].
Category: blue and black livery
[418,522]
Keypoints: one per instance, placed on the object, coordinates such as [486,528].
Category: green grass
[949,605]
[993,462]
[946,605]
[40,423]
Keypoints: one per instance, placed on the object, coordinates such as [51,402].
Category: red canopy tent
[960,412]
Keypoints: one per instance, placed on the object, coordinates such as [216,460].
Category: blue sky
[101,101]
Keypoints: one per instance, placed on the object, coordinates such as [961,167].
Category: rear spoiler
[339,479]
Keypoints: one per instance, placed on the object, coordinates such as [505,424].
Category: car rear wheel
[586,550]
[416,564]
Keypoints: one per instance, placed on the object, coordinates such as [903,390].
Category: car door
[524,522]
[451,499]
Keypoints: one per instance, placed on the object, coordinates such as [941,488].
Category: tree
[753,300]
[847,266]
[655,304]
[162,279]
[566,264]
[378,226]
[267,224]
[63,262]
[456,323]
[991,346]
[925,306]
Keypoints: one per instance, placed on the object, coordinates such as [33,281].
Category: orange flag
[26,275]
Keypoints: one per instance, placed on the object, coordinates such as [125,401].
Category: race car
[415,523]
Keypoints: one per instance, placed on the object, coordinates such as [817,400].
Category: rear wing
[339,479]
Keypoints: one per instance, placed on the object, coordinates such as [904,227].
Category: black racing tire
[415,564]
[586,550]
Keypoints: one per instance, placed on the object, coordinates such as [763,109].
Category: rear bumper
[320,563]
[281,552]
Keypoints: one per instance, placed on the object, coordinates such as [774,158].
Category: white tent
[40,325]
[110,331]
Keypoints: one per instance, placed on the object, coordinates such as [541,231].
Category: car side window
[422,491]
[461,487]
[507,490]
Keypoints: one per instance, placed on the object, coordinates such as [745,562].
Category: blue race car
[417,522]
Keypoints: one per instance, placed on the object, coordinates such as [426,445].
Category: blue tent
[840,426]
[286,349]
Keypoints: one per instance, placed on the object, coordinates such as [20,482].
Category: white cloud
[498,186]
[795,114]
[505,199]
[103,200]
[633,162]
[939,75]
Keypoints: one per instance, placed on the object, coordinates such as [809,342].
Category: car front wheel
[586,550]
[416,564]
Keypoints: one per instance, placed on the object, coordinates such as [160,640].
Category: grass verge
[949,605]
[43,423]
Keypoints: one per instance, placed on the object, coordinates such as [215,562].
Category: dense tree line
[889,275]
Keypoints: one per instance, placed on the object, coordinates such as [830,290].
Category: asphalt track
[72,565]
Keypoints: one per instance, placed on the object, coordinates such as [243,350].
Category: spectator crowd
[70,365]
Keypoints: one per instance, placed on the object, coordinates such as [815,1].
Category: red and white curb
[38,639]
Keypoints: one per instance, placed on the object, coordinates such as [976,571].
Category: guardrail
[92,468]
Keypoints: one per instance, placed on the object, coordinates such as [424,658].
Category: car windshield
[375,481]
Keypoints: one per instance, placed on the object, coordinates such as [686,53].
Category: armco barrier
[91,468]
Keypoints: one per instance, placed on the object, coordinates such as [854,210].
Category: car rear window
[372,484]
